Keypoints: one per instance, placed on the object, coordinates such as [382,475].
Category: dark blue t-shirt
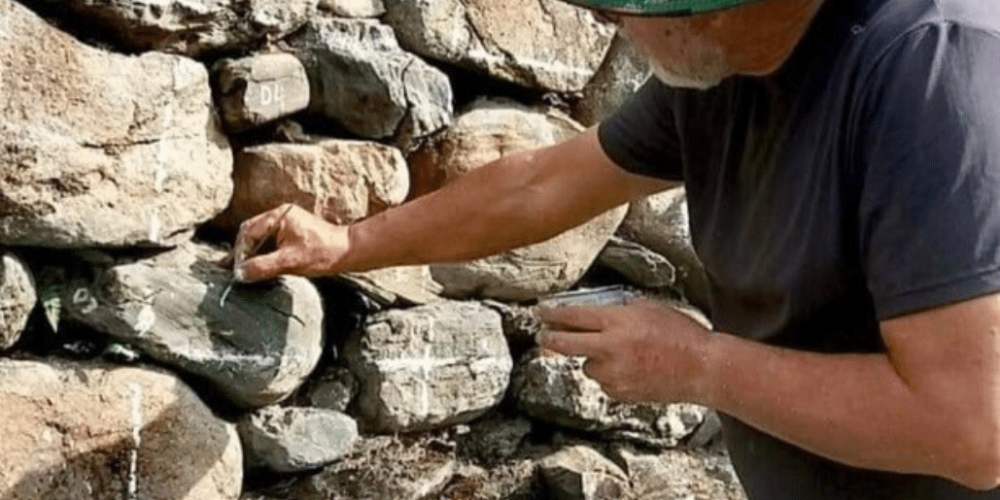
[860,182]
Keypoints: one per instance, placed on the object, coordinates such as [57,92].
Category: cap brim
[659,7]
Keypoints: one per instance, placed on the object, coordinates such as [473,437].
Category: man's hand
[307,245]
[637,352]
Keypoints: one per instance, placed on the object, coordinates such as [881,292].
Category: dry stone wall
[137,136]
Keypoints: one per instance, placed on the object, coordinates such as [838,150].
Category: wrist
[705,360]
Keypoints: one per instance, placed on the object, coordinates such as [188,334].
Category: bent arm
[517,200]
[930,406]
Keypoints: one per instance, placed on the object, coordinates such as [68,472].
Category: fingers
[589,345]
[576,319]
[252,232]
[263,267]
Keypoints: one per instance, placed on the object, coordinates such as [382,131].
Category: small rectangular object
[604,296]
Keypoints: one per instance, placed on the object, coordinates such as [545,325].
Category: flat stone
[660,223]
[195,28]
[296,439]
[489,130]
[581,473]
[82,431]
[495,438]
[638,264]
[623,71]
[256,348]
[17,298]
[543,44]
[553,388]
[402,285]
[429,366]
[107,149]
[260,89]
[333,390]
[364,81]
[341,181]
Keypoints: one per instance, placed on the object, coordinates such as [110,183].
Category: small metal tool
[253,251]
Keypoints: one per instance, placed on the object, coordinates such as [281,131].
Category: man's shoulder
[893,20]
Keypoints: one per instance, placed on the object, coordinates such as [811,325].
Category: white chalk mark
[145,320]
[135,391]
[154,226]
[83,300]
[163,149]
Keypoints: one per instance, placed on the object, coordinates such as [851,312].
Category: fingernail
[238,275]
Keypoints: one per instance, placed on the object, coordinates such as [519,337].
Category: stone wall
[138,135]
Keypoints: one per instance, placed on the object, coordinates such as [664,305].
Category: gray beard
[672,79]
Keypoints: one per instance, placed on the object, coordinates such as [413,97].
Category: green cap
[659,7]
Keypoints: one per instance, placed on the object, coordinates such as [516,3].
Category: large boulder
[296,439]
[364,81]
[554,389]
[97,432]
[544,44]
[17,298]
[101,149]
[191,27]
[428,367]
[256,347]
[660,223]
[260,89]
[339,180]
[489,130]
[624,70]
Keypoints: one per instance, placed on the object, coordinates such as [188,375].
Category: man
[842,162]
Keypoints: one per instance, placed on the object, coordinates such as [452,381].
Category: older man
[842,162]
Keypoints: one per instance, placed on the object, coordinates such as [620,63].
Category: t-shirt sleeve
[641,137]
[929,150]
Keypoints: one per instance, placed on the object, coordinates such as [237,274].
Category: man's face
[680,55]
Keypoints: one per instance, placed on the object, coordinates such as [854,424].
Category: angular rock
[191,27]
[383,468]
[97,432]
[624,70]
[106,150]
[256,348]
[411,285]
[660,223]
[361,79]
[17,298]
[428,367]
[544,44]
[260,89]
[674,474]
[554,389]
[495,438]
[353,8]
[581,473]
[339,180]
[333,390]
[296,439]
[707,433]
[640,265]
[489,130]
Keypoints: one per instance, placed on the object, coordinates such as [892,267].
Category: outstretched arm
[514,201]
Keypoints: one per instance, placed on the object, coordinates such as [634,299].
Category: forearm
[854,409]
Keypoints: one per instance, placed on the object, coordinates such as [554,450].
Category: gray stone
[545,44]
[106,150]
[707,433]
[296,439]
[191,27]
[406,285]
[333,390]
[17,298]
[624,70]
[429,367]
[660,223]
[256,348]
[353,8]
[97,432]
[339,180]
[640,265]
[554,389]
[361,79]
[581,473]
[260,89]
[495,438]
[487,131]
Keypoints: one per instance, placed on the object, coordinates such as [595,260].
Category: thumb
[588,345]
[262,267]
